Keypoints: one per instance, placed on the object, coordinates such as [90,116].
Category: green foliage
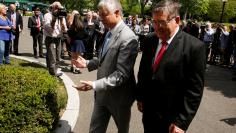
[29,14]
[230,11]
[130,7]
[29,100]
[80,4]
[200,9]
[214,13]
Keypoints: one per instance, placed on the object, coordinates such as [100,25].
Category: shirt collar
[114,30]
[170,40]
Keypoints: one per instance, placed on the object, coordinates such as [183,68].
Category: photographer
[208,38]
[54,27]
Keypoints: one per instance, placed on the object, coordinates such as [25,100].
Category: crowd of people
[11,24]
[219,39]
[220,42]
[170,80]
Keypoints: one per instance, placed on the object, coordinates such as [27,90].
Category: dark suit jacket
[32,24]
[175,89]
[19,21]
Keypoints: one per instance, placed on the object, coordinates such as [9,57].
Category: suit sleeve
[195,84]
[142,73]
[30,23]
[93,64]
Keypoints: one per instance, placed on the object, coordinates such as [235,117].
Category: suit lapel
[34,20]
[173,46]
[112,40]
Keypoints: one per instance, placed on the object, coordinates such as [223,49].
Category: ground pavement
[217,112]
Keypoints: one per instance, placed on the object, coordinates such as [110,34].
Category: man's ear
[177,19]
[117,13]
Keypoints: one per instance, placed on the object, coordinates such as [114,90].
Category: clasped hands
[85,85]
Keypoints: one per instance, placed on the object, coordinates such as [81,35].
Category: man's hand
[80,62]
[140,106]
[85,86]
[174,129]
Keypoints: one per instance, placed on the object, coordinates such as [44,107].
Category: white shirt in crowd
[55,31]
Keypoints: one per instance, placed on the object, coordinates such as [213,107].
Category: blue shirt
[5,34]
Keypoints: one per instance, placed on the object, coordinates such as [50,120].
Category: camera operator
[208,38]
[54,27]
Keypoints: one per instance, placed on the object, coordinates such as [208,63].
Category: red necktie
[159,56]
[38,24]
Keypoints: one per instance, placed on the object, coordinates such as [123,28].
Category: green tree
[130,7]
[194,8]
[215,11]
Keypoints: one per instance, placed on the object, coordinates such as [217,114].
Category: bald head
[12,7]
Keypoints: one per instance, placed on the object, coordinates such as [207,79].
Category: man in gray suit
[114,87]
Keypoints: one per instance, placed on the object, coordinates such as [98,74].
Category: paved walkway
[217,112]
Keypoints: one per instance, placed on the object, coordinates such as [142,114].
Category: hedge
[30,99]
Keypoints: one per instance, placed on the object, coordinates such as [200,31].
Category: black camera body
[60,13]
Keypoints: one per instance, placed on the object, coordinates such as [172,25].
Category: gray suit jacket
[115,76]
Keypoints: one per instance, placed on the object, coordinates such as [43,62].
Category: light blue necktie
[105,43]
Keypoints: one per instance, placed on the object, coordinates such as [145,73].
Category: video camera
[60,13]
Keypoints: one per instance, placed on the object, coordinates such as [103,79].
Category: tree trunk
[142,8]
[185,14]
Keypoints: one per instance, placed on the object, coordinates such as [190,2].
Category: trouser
[154,121]
[38,39]
[53,53]
[15,44]
[208,46]
[234,65]
[101,116]
[2,50]
[7,52]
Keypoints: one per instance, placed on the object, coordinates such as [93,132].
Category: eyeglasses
[162,22]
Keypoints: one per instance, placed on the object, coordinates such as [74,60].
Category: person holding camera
[5,35]
[35,24]
[208,38]
[54,27]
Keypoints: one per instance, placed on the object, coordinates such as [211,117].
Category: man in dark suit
[171,74]
[35,24]
[16,19]
[114,87]
[91,25]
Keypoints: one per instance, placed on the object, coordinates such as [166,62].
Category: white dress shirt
[55,31]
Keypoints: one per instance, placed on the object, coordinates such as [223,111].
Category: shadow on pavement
[31,65]
[230,121]
[65,69]
[220,79]
[63,127]
[27,54]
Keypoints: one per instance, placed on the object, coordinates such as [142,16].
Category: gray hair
[111,5]
[171,7]
[57,4]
